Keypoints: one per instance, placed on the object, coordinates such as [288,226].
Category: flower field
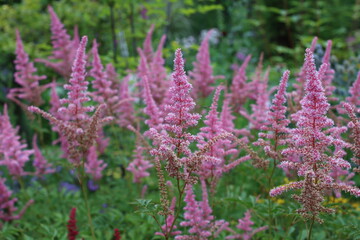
[136,133]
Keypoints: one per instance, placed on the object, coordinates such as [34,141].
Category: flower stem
[84,191]
[311,227]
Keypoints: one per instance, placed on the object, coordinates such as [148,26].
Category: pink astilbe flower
[202,74]
[239,87]
[139,165]
[64,49]
[71,226]
[355,125]
[147,45]
[198,216]
[93,165]
[42,167]
[328,75]
[30,89]
[299,92]
[277,123]
[112,76]
[79,129]
[166,228]
[126,108]
[258,117]
[104,93]
[151,108]
[310,141]
[7,205]
[12,151]
[354,91]
[245,224]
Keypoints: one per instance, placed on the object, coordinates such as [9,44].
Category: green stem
[311,227]
[84,191]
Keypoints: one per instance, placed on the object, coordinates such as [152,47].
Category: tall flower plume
[64,49]
[71,226]
[42,166]
[93,165]
[7,205]
[12,151]
[30,89]
[202,74]
[310,141]
[79,129]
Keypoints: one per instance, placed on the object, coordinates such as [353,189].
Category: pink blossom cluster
[30,89]
[310,141]
[93,165]
[7,204]
[202,75]
[64,48]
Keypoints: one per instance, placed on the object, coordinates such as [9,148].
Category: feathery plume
[12,151]
[94,166]
[42,167]
[7,205]
[30,89]
[202,74]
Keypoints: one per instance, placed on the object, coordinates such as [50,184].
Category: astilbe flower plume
[41,165]
[354,91]
[117,235]
[7,205]
[310,141]
[328,75]
[71,226]
[258,116]
[79,129]
[277,123]
[93,165]
[13,153]
[126,108]
[299,92]
[245,224]
[151,108]
[215,164]
[202,74]
[139,165]
[64,49]
[355,125]
[239,87]
[30,89]
[104,93]
[198,216]
[177,121]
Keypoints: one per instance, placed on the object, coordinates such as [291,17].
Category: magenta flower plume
[42,167]
[104,93]
[7,205]
[195,218]
[355,125]
[328,75]
[78,94]
[30,89]
[93,165]
[151,108]
[126,108]
[299,92]
[12,151]
[79,129]
[112,76]
[310,141]
[245,224]
[201,76]
[354,91]
[64,49]
[166,228]
[277,123]
[139,165]
[147,45]
[258,116]
[117,235]
[71,226]
[179,117]
[239,87]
